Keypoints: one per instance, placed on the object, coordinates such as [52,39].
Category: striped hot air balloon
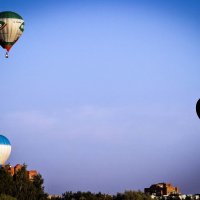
[5,149]
[11,28]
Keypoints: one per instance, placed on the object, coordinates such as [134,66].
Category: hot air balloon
[198,108]
[5,149]
[11,28]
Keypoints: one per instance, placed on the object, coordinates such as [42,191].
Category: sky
[100,95]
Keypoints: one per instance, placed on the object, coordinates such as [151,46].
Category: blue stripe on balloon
[4,140]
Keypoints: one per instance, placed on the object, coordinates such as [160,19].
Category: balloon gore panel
[5,149]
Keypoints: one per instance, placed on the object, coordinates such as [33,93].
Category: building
[32,173]
[14,170]
[54,196]
[161,189]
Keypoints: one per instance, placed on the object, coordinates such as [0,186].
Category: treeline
[127,195]
[20,187]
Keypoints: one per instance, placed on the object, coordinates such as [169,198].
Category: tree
[23,189]
[6,197]
[20,186]
[67,195]
[6,182]
[132,195]
[38,184]
[26,189]
[119,196]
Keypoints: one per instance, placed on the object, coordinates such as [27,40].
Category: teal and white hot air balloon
[11,28]
[5,149]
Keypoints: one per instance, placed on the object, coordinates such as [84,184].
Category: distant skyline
[100,95]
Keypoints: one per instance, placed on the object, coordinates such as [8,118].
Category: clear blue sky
[100,95]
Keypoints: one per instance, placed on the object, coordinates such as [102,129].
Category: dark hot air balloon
[198,108]
[11,28]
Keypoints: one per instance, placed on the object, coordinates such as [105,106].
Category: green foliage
[20,186]
[39,189]
[6,182]
[132,195]
[174,197]
[127,195]
[6,197]
[188,198]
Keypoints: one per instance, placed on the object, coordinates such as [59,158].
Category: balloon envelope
[5,149]
[11,28]
[198,108]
